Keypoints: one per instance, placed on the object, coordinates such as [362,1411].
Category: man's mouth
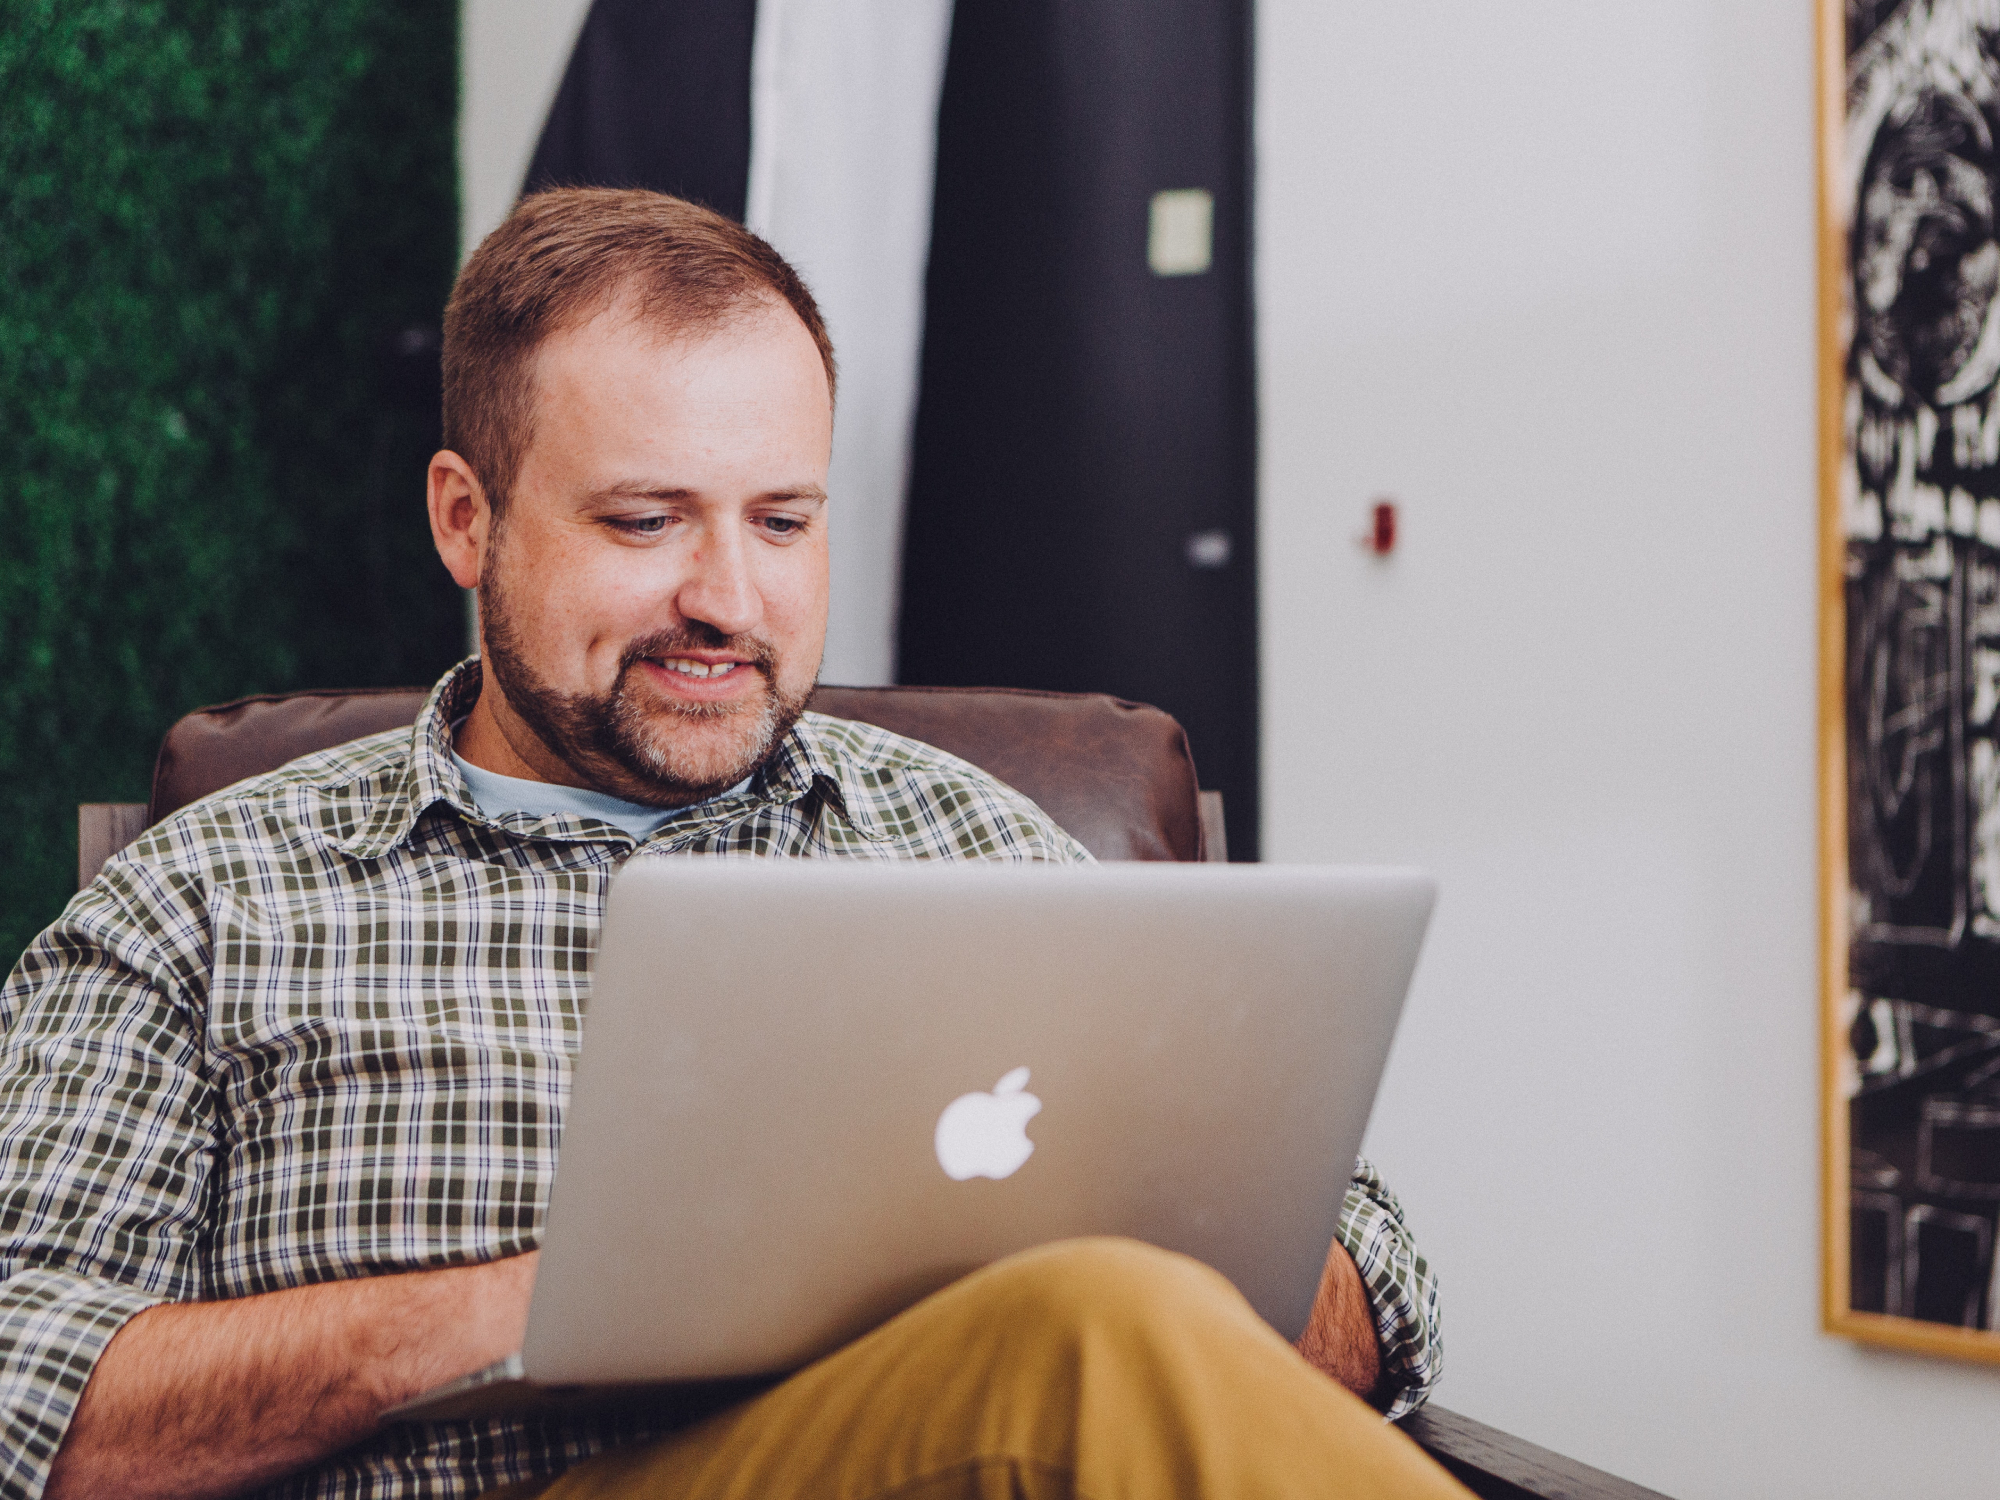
[700,670]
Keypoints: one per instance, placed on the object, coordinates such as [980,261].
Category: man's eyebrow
[808,494]
[637,489]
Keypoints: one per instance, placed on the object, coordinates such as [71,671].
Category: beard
[630,743]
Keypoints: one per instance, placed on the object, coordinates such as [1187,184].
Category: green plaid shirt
[321,1024]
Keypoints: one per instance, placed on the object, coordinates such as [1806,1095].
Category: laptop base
[504,1389]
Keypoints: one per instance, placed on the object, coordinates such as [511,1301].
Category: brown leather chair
[1116,775]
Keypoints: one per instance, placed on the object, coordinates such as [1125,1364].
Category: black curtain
[655,96]
[1082,494]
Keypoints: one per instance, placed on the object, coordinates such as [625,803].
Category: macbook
[811,1093]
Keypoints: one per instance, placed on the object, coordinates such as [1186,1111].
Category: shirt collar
[430,777]
[803,762]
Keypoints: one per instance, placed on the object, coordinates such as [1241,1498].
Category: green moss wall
[226,233]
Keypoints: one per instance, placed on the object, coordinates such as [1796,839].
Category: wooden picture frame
[1909,411]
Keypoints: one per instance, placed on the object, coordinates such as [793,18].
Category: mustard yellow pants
[1096,1368]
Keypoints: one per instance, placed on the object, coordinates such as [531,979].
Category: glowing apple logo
[986,1135]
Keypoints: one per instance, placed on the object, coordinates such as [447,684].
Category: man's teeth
[696,668]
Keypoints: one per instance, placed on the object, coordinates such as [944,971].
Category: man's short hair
[562,257]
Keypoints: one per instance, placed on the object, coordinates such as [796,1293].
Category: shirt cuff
[1402,1292]
[53,1327]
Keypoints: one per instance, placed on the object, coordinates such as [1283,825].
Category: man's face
[653,600]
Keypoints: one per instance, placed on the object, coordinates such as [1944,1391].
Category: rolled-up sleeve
[105,1160]
[53,1327]
[1402,1291]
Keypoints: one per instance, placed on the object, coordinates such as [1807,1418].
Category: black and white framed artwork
[1910,721]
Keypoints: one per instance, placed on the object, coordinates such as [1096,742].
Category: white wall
[1545,274]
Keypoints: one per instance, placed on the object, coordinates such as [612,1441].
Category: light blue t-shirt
[496,795]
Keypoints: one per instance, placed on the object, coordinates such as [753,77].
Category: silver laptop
[811,1093]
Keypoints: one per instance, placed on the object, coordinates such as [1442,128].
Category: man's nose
[718,589]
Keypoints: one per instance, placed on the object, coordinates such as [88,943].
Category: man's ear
[461,520]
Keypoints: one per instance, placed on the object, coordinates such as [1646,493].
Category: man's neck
[495,739]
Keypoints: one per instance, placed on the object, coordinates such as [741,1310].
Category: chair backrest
[1116,775]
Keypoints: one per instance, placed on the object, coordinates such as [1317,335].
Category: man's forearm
[1340,1336]
[215,1398]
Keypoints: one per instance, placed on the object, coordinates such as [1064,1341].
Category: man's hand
[205,1399]
[1340,1336]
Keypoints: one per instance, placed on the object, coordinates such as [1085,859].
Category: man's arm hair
[210,1399]
[1340,1336]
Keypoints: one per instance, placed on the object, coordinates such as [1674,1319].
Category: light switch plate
[1180,238]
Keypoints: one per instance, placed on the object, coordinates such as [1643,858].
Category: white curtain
[843,145]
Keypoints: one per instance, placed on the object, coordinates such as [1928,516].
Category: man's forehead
[623,406]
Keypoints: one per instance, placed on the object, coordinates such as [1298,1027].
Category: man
[280,1091]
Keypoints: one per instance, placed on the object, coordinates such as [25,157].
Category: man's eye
[783,525]
[641,525]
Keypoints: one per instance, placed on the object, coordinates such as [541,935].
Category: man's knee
[1075,1285]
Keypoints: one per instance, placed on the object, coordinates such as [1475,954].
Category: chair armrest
[1496,1466]
[1214,833]
[102,829]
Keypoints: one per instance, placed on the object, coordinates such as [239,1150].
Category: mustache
[679,640]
